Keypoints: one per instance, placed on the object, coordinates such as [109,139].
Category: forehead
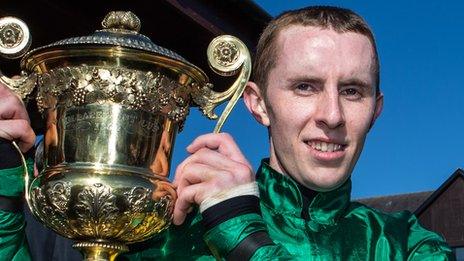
[297,44]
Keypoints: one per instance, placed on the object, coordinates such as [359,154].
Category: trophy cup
[113,102]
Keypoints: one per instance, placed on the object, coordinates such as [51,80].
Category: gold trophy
[113,102]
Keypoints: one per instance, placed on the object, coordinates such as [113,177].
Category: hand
[215,165]
[14,120]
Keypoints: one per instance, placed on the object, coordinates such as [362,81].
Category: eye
[352,93]
[305,88]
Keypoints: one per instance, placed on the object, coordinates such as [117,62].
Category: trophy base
[100,251]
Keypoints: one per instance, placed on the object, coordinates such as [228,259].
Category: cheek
[290,117]
[360,120]
[286,131]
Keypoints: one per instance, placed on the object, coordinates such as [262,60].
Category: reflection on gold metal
[100,251]
[138,90]
[226,54]
[113,103]
[106,210]
[120,20]
[15,40]
[22,85]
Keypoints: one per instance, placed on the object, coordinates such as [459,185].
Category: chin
[325,185]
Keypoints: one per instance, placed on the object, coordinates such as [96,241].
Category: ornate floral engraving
[53,214]
[226,53]
[59,195]
[162,206]
[121,20]
[11,35]
[202,96]
[138,199]
[155,220]
[99,212]
[152,92]
[96,210]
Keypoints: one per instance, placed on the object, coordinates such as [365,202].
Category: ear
[254,101]
[378,108]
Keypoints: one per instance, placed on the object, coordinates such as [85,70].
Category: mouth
[327,151]
[326,146]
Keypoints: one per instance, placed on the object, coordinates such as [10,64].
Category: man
[317,91]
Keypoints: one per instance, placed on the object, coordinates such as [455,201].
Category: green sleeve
[13,243]
[426,245]
[12,180]
[223,238]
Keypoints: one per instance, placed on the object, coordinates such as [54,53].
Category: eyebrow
[347,82]
[356,82]
[308,79]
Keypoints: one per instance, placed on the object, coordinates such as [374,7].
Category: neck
[307,195]
[274,161]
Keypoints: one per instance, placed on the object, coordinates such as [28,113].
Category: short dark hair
[338,19]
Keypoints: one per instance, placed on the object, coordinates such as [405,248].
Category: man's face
[320,104]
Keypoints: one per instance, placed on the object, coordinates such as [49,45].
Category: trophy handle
[26,173]
[226,56]
[15,40]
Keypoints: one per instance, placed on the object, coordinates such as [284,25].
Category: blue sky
[418,142]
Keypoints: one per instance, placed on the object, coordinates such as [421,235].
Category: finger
[18,130]
[179,172]
[11,107]
[213,159]
[226,170]
[217,180]
[200,173]
[183,178]
[205,157]
[222,142]
[184,202]
[4,91]
[213,142]
[206,164]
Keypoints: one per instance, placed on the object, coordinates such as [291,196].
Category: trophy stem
[98,251]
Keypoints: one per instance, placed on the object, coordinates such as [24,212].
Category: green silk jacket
[335,229]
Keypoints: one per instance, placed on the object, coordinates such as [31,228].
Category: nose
[329,112]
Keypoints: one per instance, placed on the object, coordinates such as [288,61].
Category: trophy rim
[46,58]
[95,168]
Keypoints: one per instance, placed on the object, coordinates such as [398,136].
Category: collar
[282,194]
